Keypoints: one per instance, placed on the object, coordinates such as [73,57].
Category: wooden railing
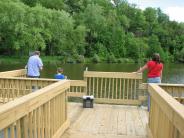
[14,73]
[12,87]
[175,90]
[166,117]
[42,114]
[113,87]
[77,88]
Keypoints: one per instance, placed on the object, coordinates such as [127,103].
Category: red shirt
[154,69]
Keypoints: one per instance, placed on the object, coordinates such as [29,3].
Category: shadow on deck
[106,121]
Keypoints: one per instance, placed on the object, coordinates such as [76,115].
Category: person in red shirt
[154,68]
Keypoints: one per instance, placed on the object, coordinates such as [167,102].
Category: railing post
[85,79]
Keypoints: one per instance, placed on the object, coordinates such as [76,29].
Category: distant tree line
[96,29]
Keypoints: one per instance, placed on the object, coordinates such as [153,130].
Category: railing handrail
[128,75]
[12,73]
[18,108]
[172,109]
[170,84]
[20,78]
[78,83]
[145,85]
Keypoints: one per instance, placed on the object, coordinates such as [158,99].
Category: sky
[173,8]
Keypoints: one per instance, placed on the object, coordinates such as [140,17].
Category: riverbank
[63,60]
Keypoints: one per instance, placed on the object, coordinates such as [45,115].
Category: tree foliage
[98,29]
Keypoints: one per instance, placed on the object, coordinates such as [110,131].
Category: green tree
[155,47]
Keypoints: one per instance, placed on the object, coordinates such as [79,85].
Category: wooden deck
[106,121]
[44,113]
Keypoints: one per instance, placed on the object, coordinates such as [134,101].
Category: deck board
[106,121]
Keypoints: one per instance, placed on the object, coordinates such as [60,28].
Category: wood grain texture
[106,121]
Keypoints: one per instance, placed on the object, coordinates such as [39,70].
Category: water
[172,73]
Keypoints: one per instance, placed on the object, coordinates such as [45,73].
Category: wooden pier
[39,108]
[106,121]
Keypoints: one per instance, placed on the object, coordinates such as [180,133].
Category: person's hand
[138,72]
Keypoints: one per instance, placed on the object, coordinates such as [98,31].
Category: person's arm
[161,75]
[40,64]
[41,67]
[142,68]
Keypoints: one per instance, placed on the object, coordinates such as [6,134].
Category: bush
[125,60]
[80,59]
[70,60]
[180,55]
[120,60]
[96,58]
[111,59]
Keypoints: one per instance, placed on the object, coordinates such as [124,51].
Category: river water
[172,73]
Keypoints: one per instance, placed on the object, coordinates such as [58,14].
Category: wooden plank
[6,133]
[49,119]
[34,123]
[105,121]
[32,79]
[112,125]
[93,88]
[127,90]
[61,130]
[117,101]
[81,121]
[75,94]
[123,88]
[113,75]
[138,125]
[13,73]
[105,89]
[130,123]
[131,89]
[12,131]
[89,86]
[18,129]
[109,88]
[112,91]
[149,132]
[31,124]
[143,86]
[116,89]
[143,98]
[135,90]
[120,89]
[101,89]
[172,85]
[78,83]
[122,130]
[25,126]
[38,116]
[97,88]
